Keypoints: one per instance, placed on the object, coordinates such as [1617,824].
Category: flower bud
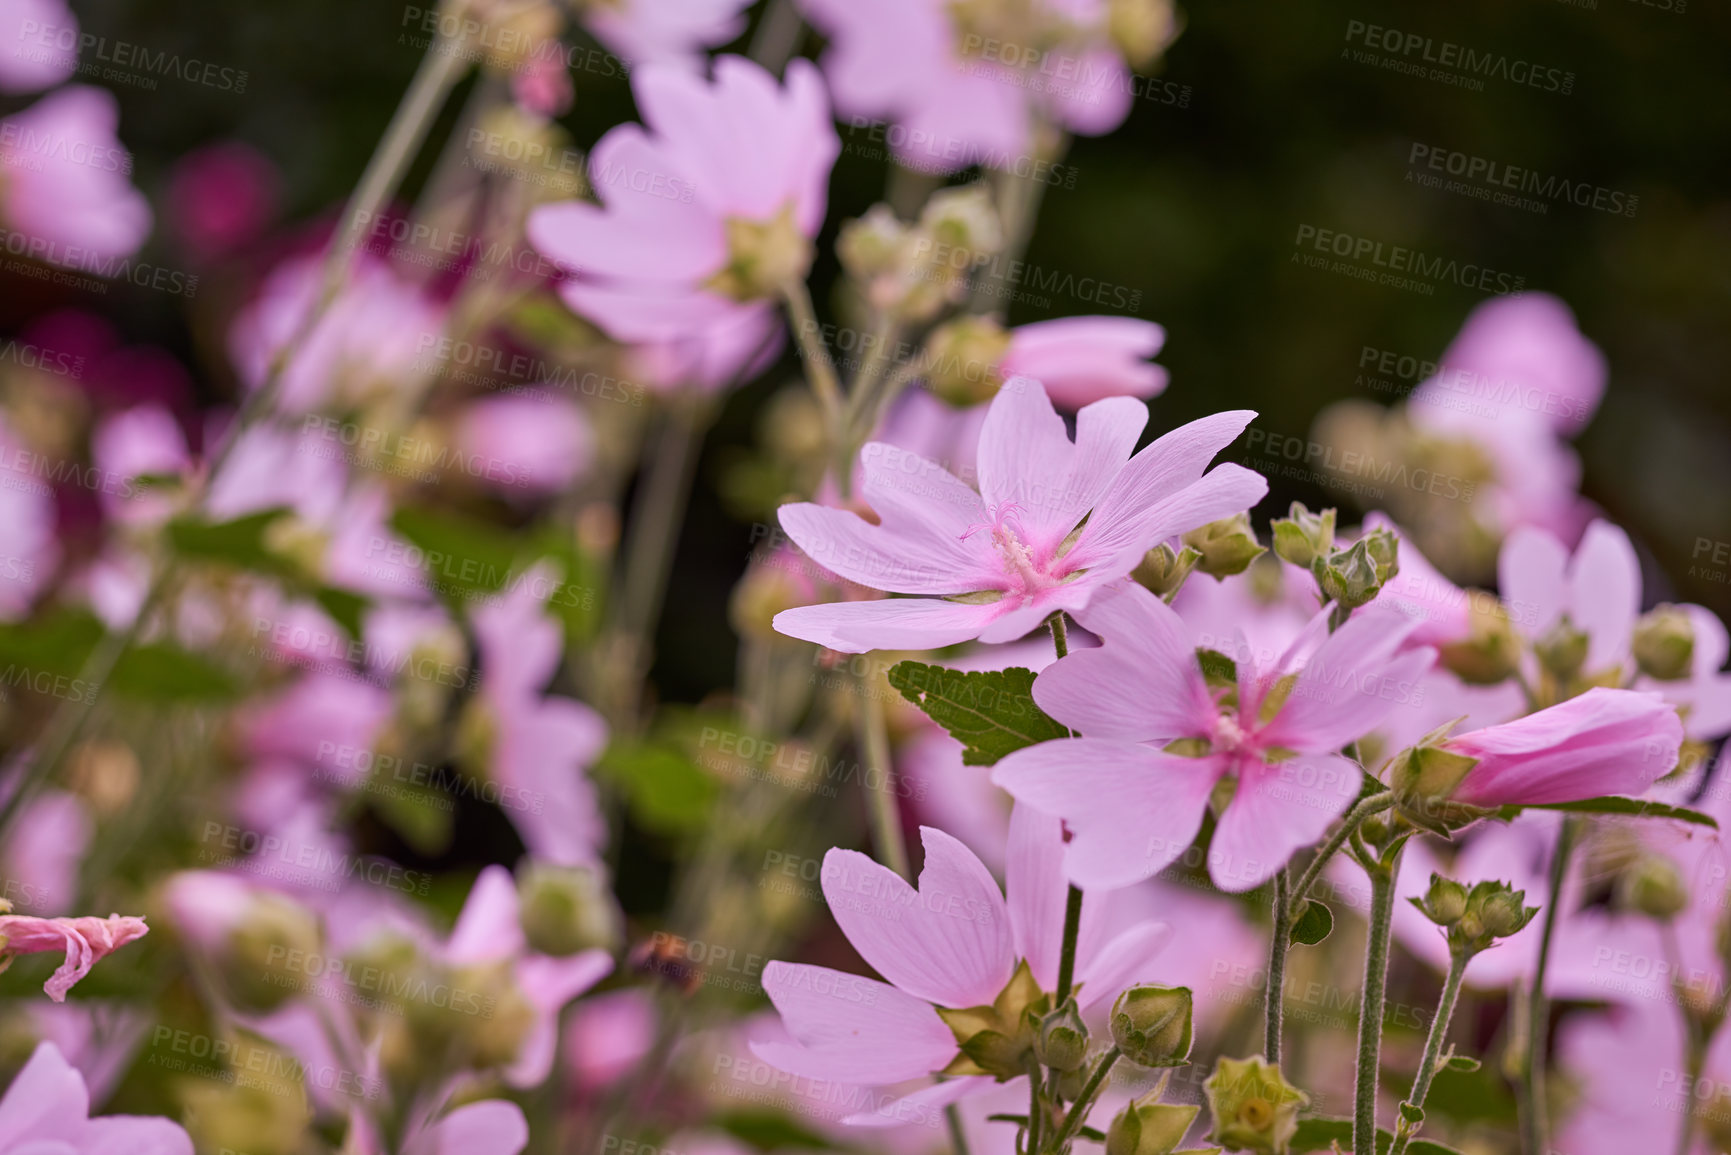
[1304,536]
[263,963]
[1228,546]
[1445,902]
[1253,1106]
[1489,653]
[964,220]
[872,245]
[762,256]
[1141,29]
[1164,570]
[1664,643]
[1562,650]
[1503,914]
[1151,1025]
[1148,1127]
[1349,577]
[1654,887]
[566,909]
[1384,550]
[963,358]
[1062,1043]
[1423,779]
[1493,910]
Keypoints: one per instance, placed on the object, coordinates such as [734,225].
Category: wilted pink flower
[1015,544]
[954,942]
[1603,742]
[702,218]
[531,443]
[1134,807]
[671,31]
[68,184]
[1081,360]
[222,196]
[956,94]
[86,941]
[38,44]
[46,1111]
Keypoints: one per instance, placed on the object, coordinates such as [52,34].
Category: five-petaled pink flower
[1134,806]
[954,942]
[1053,521]
[86,941]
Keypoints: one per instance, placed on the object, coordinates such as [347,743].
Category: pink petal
[922,1105]
[1125,961]
[86,941]
[548,984]
[1085,359]
[948,943]
[1275,811]
[1037,890]
[1131,810]
[1351,683]
[487,929]
[489,1127]
[852,1029]
[1530,576]
[46,1099]
[1605,593]
[1144,683]
[889,624]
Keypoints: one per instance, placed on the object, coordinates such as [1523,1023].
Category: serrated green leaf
[1313,924]
[990,712]
[1627,807]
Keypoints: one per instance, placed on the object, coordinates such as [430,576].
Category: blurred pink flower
[27,525]
[86,941]
[606,1036]
[40,861]
[954,942]
[1081,360]
[320,712]
[1016,538]
[672,31]
[542,746]
[1133,807]
[534,443]
[98,1038]
[46,1111]
[133,443]
[543,85]
[221,197]
[956,95]
[487,1127]
[67,181]
[38,44]
[653,265]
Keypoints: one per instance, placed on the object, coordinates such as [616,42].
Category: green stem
[958,1139]
[1439,1027]
[875,743]
[1534,1126]
[1371,1004]
[1274,1012]
[1067,959]
[818,366]
[1354,818]
[1078,1113]
[1035,1107]
[777,36]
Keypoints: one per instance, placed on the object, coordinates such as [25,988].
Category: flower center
[1026,575]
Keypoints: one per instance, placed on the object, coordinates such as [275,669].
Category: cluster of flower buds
[1253,1106]
[1350,577]
[912,271]
[1475,918]
[1227,546]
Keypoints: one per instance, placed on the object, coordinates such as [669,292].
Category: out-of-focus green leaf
[161,672]
[458,554]
[666,792]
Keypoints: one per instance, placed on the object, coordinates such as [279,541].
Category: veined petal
[1530,576]
[1354,680]
[949,942]
[1131,809]
[1128,959]
[852,1029]
[888,624]
[1037,890]
[1114,542]
[1276,810]
[923,1105]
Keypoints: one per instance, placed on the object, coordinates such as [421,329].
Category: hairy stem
[1439,1028]
[1078,1113]
[1067,958]
[874,741]
[1274,1012]
[1370,1011]
[1354,818]
[1534,1126]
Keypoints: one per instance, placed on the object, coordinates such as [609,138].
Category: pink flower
[1603,742]
[958,94]
[536,443]
[133,443]
[222,196]
[1134,807]
[542,745]
[671,31]
[38,44]
[703,215]
[86,941]
[487,1127]
[543,86]
[27,521]
[1014,546]
[46,1111]
[40,860]
[1081,360]
[84,213]
[954,942]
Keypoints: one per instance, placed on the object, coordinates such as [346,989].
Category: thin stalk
[818,366]
[1439,1028]
[1035,1107]
[1274,1013]
[1079,1109]
[1372,1003]
[1534,1126]
[958,1139]
[1349,825]
[1067,958]
[777,35]
[875,743]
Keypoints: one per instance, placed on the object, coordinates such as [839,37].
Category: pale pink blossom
[738,150]
[606,1037]
[1081,360]
[98,1038]
[1014,545]
[46,1111]
[530,443]
[68,181]
[41,858]
[954,942]
[1134,807]
[141,441]
[86,940]
[31,549]
[38,44]
[664,31]
[486,1127]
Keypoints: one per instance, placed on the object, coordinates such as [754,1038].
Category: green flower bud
[1254,1107]
[872,245]
[1151,1025]
[1654,887]
[1384,549]
[1562,651]
[962,359]
[1424,778]
[1503,914]
[964,219]
[1062,1043]
[1445,902]
[996,1039]
[1664,643]
[1304,536]
[1349,577]
[1162,571]
[762,256]
[264,962]
[1228,546]
[1148,1127]
[565,909]
[1490,652]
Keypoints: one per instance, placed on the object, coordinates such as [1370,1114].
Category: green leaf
[666,792]
[1462,1063]
[990,712]
[458,555]
[163,673]
[424,818]
[771,1131]
[239,542]
[344,606]
[1319,1134]
[1313,923]
[1628,807]
[58,643]
[1412,1113]
[1218,669]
